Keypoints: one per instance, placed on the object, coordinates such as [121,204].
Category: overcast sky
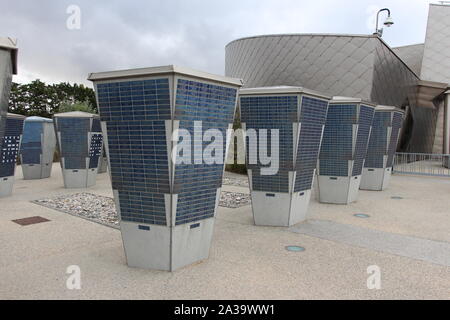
[122,34]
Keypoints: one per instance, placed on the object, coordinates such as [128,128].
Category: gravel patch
[232,181]
[102,209]
[85,205]
[234,199]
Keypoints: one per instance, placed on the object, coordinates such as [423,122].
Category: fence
[428,164]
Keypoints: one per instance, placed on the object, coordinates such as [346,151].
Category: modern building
[37,148]
[386,128]
[343,150]
[166,201]
[9,151]
[80,142]
[414,78]
[281,197]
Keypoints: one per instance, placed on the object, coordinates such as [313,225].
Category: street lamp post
[388,22]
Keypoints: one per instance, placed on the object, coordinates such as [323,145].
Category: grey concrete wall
[436,56]
[412,55]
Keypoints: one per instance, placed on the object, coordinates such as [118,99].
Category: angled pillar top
[381,108]
[38,119]
[276,90]
[75,114]
[341,100]
[15,116]
[153,71]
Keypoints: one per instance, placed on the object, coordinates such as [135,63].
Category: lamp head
[389,22]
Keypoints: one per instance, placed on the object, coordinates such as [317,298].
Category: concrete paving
[246,262]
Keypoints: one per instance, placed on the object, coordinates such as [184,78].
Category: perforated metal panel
[10,146]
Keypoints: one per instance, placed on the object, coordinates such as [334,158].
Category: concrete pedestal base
[36,171]
[279,209]
[166,248]
[6,186]
[79,178]
[338,190]
[103,165]
[375,179]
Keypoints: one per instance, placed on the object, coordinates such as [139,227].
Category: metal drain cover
[295,248]
[30,220]
[361,215]
[396,197]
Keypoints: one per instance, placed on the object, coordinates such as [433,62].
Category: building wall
[436,57]
[5,87]
[412,55]
[332,64]
[393,82]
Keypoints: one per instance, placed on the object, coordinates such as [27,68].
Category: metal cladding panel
[263,114]
[337,65]
[378,142]
[412,55]
[31,146]
[312,118]
[337,143]
[397,122]
[366,114]
[10,146]
[73,141]
[196,184]
[135,112]
[393,82]
[436,55]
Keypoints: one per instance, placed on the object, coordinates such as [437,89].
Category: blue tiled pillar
[10,146]
[166,208]
[281,198]
[386,127]
[343,150]
[37,148]
[80,143]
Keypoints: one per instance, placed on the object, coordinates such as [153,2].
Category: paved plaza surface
[407,237]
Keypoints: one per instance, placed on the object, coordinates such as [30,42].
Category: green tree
[39,99]
[67,106]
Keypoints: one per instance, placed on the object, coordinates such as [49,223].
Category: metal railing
[429,164]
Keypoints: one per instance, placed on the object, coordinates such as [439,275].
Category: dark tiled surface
[397,121]
[365,120]
[134,112]
[31,146]
[312,118]
[378,142]
[337,144]
[73,143]
[196,184]
[280,112]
